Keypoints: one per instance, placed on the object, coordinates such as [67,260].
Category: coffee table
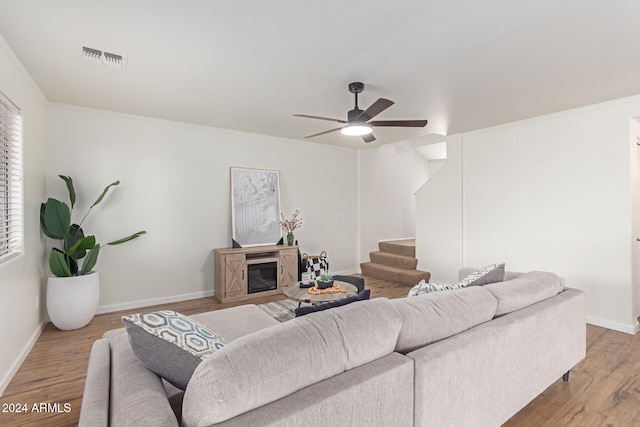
[296,293]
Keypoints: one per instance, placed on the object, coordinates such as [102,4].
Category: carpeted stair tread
[394,274]
[393,260]
[399,247]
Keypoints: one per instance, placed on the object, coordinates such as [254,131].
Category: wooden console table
[232,270]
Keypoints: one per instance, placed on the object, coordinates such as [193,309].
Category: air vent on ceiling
[113,59]
[107,58]
[91,53]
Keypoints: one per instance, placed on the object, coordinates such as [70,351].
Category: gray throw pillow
[170,344]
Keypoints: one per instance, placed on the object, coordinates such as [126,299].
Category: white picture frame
[255,206]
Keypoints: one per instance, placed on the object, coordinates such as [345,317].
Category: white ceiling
[250,65]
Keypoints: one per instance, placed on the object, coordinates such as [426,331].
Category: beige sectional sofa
[473,356]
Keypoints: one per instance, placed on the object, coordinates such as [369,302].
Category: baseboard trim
[154,301]
[344,272]
[175,298]
[620,327]
[4,383]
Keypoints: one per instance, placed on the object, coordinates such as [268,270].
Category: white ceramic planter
[72,301]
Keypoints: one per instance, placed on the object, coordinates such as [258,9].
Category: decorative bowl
[324,285]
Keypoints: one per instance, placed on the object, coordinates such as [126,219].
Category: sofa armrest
[498,367]
[94,411]
[137,396]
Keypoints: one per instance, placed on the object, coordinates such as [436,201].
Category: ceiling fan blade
[368,138]
[319,118]
[376,108]
[400,123]
[322,133]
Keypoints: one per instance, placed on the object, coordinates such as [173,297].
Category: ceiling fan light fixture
[357,129]
[358,121]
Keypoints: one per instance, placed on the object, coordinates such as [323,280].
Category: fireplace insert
[262,277]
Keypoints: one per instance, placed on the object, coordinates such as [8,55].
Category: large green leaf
[42,226]
[74,236]
[90,260]
[82,245]
[57,218]
[58,264]
[104,193]
[73,265]
[126,239]
[72,192]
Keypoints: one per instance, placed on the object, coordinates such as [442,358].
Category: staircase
[395,261]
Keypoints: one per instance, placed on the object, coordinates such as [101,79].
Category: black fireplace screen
[262,277]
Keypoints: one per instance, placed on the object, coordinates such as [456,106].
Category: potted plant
[325,281]
[73,289]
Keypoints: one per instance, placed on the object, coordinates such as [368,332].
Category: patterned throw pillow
[433,286]
[490,274]
[170,344]
[316,265]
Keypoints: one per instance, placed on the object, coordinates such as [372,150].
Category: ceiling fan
[358,121]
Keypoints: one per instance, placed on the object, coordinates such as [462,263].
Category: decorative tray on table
[315,290]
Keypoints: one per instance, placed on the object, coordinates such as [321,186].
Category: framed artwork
[255,206]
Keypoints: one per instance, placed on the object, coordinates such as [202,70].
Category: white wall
[634,142]
[554,193]
[175,184]
[439,217]
[389,177]
[21,279]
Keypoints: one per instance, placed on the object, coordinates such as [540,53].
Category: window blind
[11,204]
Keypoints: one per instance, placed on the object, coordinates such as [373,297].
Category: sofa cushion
[434,316]
[272,363]
[170,344]
[235,322]
[525,290]
[489,274]
[231,323]
[301,311]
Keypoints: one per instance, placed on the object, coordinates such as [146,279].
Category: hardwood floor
[603,390]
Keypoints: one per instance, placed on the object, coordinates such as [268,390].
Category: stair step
[393,260]
[394,274]
[399,247]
